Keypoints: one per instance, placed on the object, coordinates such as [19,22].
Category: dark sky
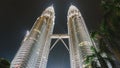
[18,16]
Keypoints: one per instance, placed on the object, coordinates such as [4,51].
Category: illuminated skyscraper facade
[79,41]
[36,46]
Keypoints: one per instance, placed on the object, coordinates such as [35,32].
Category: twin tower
[36,46]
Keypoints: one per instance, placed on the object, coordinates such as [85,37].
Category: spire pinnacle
[49,11]
[73,10]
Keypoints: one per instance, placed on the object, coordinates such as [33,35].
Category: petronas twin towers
[36,46]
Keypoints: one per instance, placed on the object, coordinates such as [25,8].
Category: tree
[4,63]
[96,60]
[110,25]
[107,35]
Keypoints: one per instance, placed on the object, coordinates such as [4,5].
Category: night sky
[18,16]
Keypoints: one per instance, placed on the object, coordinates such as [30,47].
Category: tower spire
[49,11]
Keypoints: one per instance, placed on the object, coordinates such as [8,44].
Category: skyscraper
[36,46]
[79,41]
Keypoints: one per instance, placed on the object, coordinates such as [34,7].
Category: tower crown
[49,12]
[73,11]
